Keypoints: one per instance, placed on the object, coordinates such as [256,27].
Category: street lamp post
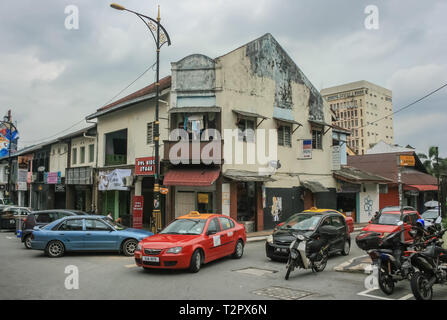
[161,37]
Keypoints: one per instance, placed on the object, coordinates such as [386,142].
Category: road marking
[366,294]
[408,296]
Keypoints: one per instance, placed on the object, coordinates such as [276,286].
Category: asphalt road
[29,274]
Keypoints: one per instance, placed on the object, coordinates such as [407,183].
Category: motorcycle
[390,255]
[310,252]
[432,265]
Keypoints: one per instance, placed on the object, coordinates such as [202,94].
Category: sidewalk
[262,235]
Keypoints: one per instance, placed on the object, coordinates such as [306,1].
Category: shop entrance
[246,201]
[347,203]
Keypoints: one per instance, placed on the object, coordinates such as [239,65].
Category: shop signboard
[137,212]
[53,177]
[407,161]
[307,149]
[145,166]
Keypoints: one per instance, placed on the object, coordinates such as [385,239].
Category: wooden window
[246,130]
[317,139]
[284,136]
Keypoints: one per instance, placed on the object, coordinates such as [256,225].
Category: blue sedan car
[86,233]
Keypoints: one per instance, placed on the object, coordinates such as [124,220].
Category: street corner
[360,264]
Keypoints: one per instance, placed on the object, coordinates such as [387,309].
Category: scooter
[310,252]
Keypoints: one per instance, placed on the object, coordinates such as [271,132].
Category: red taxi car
[192,240]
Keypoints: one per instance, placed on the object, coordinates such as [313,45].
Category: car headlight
[139,247]
[174,250]
[270,239]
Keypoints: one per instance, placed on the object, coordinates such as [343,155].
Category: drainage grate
[256,271]
[282,293]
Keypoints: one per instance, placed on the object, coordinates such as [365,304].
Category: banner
[137,212]
[113,180]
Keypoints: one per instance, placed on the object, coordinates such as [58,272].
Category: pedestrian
[109,215]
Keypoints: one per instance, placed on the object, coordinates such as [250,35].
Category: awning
[246,176]
[423,187]
[194,109]
[314,186]
[287,120]
[249,114]
[320,123]
[191,177]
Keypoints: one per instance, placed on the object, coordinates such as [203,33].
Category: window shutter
[150,133]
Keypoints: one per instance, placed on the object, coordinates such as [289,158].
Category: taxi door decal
[216,241]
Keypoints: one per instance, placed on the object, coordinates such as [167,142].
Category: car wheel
[196,262]
[129,247]
[238,250]
[55,249]
[27,242]
[346,248]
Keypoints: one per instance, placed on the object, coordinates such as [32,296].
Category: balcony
[191,151]
[115,159]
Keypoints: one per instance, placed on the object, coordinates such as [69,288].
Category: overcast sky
[52,77]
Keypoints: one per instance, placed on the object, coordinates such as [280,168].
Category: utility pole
[437,177]
[161,37]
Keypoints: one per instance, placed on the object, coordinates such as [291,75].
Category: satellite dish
[275,164]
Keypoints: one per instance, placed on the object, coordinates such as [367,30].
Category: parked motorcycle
[390,254]
[311,252]
[432,265]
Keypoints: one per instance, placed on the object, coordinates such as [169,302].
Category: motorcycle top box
[369,240]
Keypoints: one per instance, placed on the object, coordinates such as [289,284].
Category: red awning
[191,177]
[424,187]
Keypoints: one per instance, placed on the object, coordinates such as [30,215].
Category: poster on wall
[113,180]
[276,208]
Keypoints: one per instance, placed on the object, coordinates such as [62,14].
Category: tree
[431,161]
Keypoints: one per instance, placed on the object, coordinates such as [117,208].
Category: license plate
[281,250]
[151,259]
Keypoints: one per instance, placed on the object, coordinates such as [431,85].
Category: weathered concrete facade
[259,85]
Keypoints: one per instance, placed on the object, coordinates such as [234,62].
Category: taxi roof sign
[194,213]
[407,161]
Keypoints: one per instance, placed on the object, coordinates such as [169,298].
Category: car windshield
[185,226]
[389,219]
[302,222]
[430,214]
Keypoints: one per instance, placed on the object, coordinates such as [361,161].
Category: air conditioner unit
[128,181]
